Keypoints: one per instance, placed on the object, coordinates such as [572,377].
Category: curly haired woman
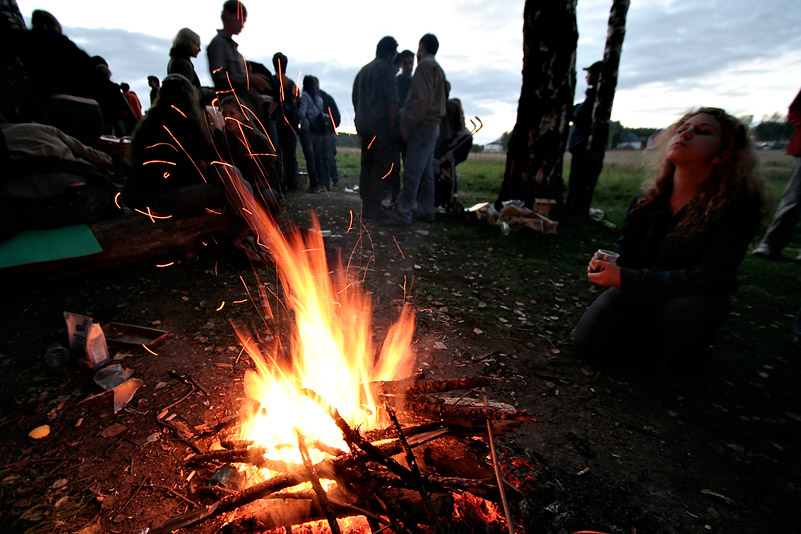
[682,240]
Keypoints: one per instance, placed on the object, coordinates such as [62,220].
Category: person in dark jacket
[789,209]
[580,134]
[185,46]
[332,119]
[681,243]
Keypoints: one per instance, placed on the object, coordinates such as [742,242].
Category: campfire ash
[334,435]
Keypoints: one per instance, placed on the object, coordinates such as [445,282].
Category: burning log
[414,386]
[463,415]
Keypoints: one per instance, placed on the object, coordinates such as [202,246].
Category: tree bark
[537,145]
[592,162]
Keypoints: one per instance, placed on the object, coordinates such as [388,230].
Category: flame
[331,350]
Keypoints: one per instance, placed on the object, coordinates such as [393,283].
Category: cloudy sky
[742,55]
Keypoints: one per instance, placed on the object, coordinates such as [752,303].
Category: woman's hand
[603,273]
[215,118]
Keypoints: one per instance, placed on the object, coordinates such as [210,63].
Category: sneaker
[763,251]
[424,218]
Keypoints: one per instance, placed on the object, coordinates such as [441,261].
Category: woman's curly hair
[733,179]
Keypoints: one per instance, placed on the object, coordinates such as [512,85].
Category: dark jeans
[330,171]
[312,145]
[375,164]
[681,328]
[288,148]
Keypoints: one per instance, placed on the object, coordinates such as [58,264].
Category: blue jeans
[330,172]
[418,173]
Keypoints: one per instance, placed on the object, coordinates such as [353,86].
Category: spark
[149,350]
[371,142]
[166,175]
[159,161]
[117,200]
[151,215]
[215,212]
[391,166]
[161,144]
[218,69]
[399,247]
[244,346]
[178,110]
[240,301]
[223,163]
[221,306]
[350,225]
[332,121]
[166,264]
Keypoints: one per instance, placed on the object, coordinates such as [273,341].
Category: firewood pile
[428,466]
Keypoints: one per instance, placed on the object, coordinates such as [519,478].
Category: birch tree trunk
[537,145]
[592,162]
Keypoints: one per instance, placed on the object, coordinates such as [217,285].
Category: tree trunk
[537,145]
[592,162]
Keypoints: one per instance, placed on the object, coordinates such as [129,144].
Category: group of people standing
[388,125]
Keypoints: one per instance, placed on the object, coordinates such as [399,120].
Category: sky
[741,55]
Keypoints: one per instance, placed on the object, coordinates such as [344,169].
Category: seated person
[682,240]
[172,157]
[252,153]
[63,78]
[50,179]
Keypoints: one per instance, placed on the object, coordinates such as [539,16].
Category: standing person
[375,103]
[185,46]
[154,84]
[287,122]
[787,213]
[420,120]
[311,134]
[134,104]
[582,124]
[404,61]
[404,78]
[329,158]
[681,243]
[227,66]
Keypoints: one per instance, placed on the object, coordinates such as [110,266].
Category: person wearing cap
[582,124]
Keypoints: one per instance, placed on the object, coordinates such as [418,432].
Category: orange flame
[331,346]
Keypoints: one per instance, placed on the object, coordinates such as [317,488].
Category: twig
[322,498]
[498,476]
[144,480]
[174,493]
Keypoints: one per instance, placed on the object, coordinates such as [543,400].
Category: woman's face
[194,49]
[697,142]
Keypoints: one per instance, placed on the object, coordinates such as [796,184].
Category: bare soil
[615,449]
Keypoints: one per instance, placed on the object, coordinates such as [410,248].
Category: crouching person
[50,179]
[682,241]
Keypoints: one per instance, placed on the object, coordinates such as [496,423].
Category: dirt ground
[614,450]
